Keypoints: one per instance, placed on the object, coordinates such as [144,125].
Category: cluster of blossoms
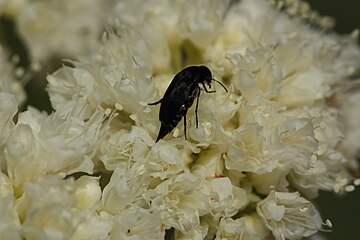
[53,28]
[262,152]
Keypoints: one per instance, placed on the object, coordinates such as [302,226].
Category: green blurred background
[342,211]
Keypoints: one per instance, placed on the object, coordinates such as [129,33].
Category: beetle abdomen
[167,127]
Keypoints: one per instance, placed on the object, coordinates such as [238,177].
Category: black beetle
[180,96]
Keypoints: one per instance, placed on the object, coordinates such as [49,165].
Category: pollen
[357,182]
[176,132]
[328,223]
[118,106]
[350,188]
[207,128]
[107,111]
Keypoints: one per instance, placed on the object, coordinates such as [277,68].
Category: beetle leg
[208,91]
[196,109]
[155,103]
[185,126]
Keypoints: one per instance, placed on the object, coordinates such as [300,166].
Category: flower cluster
[11,96]
[261,153]
[54,28]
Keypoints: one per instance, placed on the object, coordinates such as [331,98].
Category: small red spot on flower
[218,175]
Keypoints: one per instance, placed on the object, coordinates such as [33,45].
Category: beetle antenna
[220,84]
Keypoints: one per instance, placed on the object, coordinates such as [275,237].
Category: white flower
[226,200]
[245,228]
[288,215]
[120,74]
[321,168]
[247,153]
[88,192]
[200,20]
[10,226]
[93,227]
[180,202]
[48,211]
[137,224]
[166,160]
[124,148]
[41,145]
[266,140]
[209,131]
[172,23]
[225,195]
[257,74]
[155,21]
[127,188]
[278,129]
[8,109]
[274,128]
[198,233]
[10,77]
[349,115]
[62,28]
[68,86]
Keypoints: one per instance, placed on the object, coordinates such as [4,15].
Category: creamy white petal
[288,215]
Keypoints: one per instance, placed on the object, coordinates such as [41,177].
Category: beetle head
[205,75]
[202,74]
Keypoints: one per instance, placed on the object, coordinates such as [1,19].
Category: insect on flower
[180,96]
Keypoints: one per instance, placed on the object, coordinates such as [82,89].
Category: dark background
[345,12]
